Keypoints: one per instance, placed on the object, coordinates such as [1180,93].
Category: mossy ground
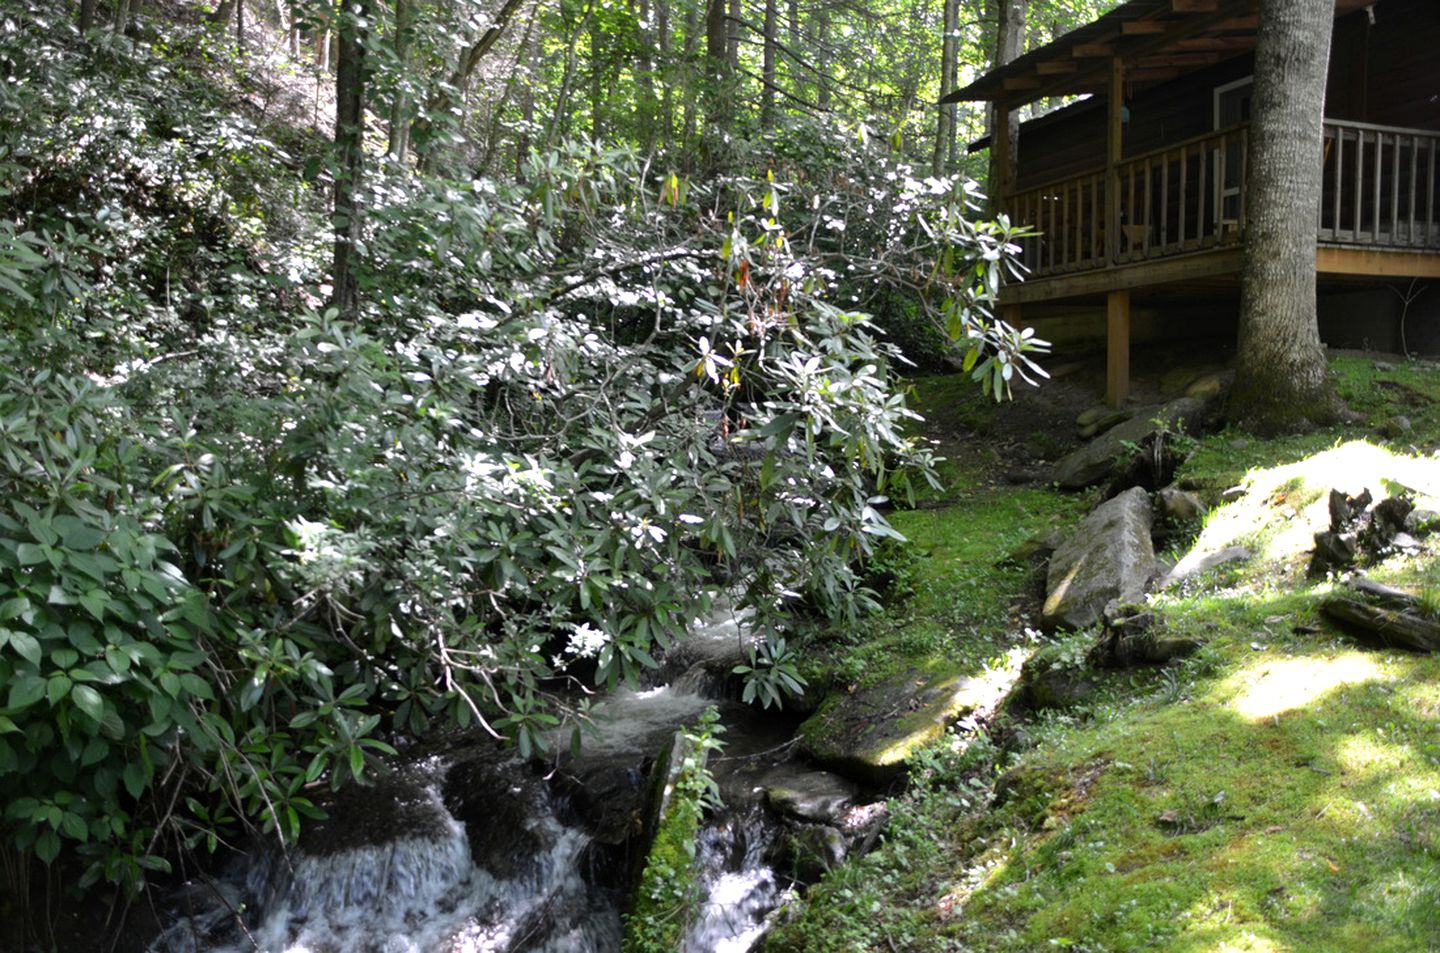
[1279,791]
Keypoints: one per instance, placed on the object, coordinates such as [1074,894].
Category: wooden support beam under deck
[1117,347]
[1376,263]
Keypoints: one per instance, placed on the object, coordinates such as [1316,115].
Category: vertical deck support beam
[1003,167]
[1114,148]
[1117,350]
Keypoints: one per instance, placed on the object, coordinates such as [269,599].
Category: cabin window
[1232,107]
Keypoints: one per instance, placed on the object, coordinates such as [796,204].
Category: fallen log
[1387,628]
[1378,592]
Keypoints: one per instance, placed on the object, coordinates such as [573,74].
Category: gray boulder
[1109,556]
[1108,453]
[1197,561]
[808,795]
[1178,506]
[867,734]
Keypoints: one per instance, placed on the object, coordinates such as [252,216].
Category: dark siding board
[1404,60]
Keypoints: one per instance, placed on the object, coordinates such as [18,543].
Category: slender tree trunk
[400,109]
[350,152]
[647,100]
[949,45]
[1009,43]
[285,17]
[597,85]
[691,87]
[560,118]
[1281,379]
[666,121]
[732,37]
[822,77]
[87,14]
[717,62]
[240,25]
[767,69]
[527,101]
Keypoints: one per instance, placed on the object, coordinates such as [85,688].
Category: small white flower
[586,640]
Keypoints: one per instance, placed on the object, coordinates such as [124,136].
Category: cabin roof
[1158,40]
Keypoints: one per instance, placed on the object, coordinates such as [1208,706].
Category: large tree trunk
[949,46]
[1009,42]
[350,152]
[1281,381]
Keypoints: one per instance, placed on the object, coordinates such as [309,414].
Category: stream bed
[469,849]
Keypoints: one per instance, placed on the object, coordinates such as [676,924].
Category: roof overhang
[1157,40]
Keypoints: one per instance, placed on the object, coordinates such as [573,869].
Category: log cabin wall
[1388,74]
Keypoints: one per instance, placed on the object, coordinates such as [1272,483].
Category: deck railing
[1379,190]
[1379,186]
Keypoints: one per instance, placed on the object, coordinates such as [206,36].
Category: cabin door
[1232,107]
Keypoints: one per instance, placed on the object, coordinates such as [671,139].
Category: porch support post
[1010,314]
[1114,146]
[1003,166]
[1117,350]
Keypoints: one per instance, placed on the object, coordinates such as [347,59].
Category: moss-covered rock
[868,733]
[665,897]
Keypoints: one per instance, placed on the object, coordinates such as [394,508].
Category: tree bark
[87,14]
[527,102]
[647,101]
[665,119]
[350,152]
[732,36]
[949,46]
[717,63]
[399,139]
[1281,380]
[767,69]
[1009,42]
[822,77]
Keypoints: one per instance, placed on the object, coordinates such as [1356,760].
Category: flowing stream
[472,851]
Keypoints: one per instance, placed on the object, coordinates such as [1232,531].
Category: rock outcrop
[1110,453]
[869,733]
[1108,557]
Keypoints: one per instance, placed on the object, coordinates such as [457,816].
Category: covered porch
[1147,208]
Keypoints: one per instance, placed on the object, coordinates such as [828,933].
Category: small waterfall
[740,885]
[410,895]
[473,851]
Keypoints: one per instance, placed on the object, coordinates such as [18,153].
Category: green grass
[1279,791]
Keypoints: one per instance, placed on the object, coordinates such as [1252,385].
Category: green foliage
[246,545]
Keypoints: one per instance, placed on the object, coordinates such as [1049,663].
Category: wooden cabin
[1137,193]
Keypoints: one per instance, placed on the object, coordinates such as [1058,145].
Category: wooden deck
[1179,212]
